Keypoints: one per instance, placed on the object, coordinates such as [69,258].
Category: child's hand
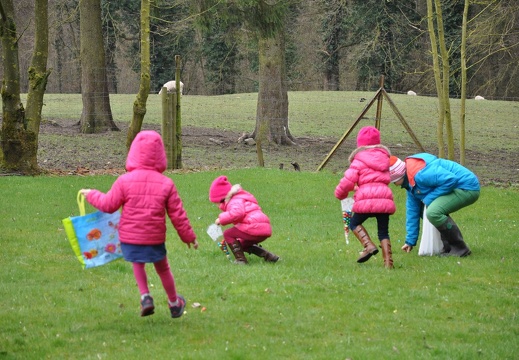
[217,221]
[85,192]
[195,245]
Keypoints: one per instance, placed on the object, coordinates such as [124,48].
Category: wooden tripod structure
[380,95]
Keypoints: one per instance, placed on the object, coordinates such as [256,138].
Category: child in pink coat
[251,225]
[146,195]
[368,175]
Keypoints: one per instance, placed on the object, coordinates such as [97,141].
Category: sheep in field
[478,97]
[411,92]
[172,87]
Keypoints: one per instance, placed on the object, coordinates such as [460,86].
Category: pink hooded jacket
[145,195]
[369,170]
[241,209]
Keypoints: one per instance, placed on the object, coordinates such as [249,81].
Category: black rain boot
[237,251]
[446,247]
[452,234]
[259,251]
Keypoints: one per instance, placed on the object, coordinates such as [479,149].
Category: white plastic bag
[214,231]
[347,206]
[431,242]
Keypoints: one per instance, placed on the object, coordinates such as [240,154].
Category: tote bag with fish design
[94,237]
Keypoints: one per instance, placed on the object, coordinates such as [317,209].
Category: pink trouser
[232,234]
[165,274]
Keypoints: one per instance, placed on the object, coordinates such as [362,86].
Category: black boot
[446,247]
[259,251]
[452,235]
[237,251]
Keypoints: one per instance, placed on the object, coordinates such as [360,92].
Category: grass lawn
[316,303]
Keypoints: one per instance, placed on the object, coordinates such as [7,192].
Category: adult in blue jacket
[444,186]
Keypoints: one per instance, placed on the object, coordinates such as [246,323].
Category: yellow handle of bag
[81,203]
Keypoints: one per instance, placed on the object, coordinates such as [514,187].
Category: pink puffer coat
[145,195]
[368,174]
[241,209]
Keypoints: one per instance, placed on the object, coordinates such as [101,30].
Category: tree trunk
[272,108]
[97,114]
[139,105]
[446,80]
[437,77]
[463,59]
[38,73]
[19,137]
[333,29]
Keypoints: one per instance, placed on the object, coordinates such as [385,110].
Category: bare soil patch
[64,150]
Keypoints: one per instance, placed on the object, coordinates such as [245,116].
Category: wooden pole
[178,116]
[379,103]
[348,132]
[379,96]
[402,120]
[166,126]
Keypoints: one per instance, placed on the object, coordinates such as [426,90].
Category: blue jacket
[429,177]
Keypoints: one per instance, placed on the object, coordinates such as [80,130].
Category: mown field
[316,302]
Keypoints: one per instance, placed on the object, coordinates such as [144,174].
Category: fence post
[178,117]
[168,128]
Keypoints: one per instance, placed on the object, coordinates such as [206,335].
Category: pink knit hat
[219,189]
[368,135]
[396,168]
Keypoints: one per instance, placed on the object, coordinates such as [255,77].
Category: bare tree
[463,64]
[272,108]
[97,113]
[441,74]
[139,105]
[20,128]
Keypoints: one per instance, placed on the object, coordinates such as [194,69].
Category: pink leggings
[165,274]
[232,234]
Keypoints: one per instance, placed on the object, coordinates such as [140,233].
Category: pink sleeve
[179,219]
[109,202]
[234,213]
[346,184]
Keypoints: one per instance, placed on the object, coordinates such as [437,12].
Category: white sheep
[411,92]
[172,87]
[479,98]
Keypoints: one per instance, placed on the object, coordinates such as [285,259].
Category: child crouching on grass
[251,225]
[146,195]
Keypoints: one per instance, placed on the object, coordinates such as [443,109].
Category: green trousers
[440,208]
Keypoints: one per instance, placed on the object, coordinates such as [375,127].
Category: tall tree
[441,69]
[97,114]
[265,20]
[332,33]
[139,105]
[381,38]
[463,65]
[493,49]
[20,128]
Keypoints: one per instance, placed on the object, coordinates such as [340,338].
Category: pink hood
[369,171]
[147,152]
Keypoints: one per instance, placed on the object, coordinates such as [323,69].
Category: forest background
[331,45]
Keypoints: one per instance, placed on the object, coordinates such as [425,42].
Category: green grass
[317,113]
[317,303]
